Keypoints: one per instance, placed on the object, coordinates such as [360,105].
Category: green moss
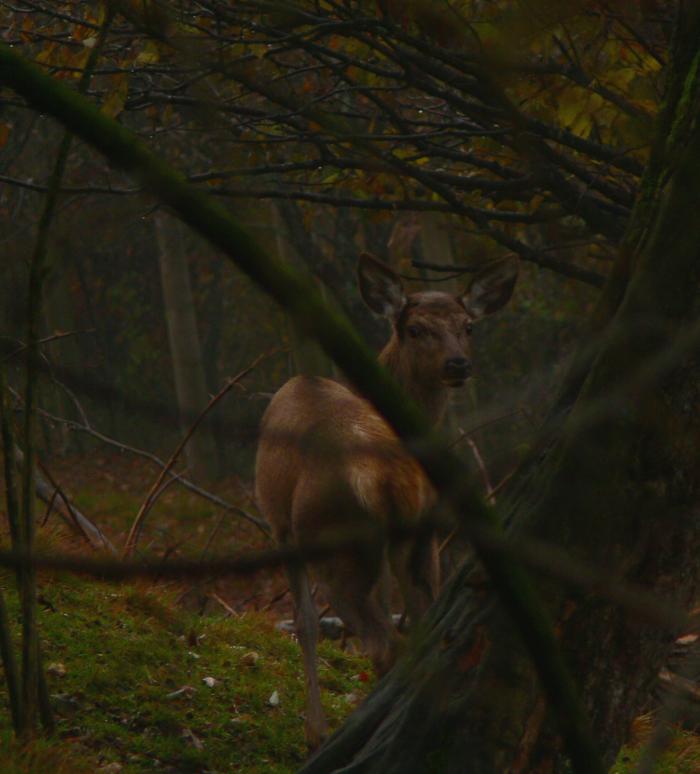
[133,691]
[682,755]
[683,112]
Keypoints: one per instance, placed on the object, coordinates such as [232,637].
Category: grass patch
[682,755]
[128,664]
[137,681]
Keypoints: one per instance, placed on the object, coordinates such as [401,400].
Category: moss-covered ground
[187,678]
[138,681]
[680,754]
[163,677]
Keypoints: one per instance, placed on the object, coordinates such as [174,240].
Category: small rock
[186,690]
[274,700]
[192,738]
[285,626]
[209,681]
[250,659]
[57,669]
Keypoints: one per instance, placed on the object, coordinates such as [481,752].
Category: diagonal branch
[157,487]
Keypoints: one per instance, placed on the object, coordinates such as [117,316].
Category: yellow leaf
[583,124]
[114,104]
[101,14]
[595,102]
[568,110]
[45,56]
[621,78]
[149,55]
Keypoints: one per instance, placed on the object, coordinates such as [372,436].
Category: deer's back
[324,451]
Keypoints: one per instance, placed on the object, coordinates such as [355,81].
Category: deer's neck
[430,395]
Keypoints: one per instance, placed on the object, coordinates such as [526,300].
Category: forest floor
[187,677]
[173,677]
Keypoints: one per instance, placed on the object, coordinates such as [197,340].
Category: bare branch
[137,526]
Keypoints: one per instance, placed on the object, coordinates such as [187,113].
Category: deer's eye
[468,328]
[414,331]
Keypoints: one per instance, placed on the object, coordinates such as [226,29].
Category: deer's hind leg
[305,621]
[351,578]
[352,595]
[306,626]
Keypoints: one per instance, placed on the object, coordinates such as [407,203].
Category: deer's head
[430,348]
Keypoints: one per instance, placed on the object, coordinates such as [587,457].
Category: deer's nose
[457,368]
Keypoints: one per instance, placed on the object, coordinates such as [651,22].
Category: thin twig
[46,490]
[224,604]
[179,478]
[488,489]
[46,340]
[213,534]
[486,480]
[163,487]
[136,527]
[491,499]
[102,541]
[49,508]
[502,483]
[282,594]
[465,434]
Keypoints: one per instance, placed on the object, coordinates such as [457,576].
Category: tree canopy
[530,121]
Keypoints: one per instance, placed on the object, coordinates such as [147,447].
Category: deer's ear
[491,288]
[380,286]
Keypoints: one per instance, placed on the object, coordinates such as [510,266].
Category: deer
[327,461]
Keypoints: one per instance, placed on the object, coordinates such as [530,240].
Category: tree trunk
[615,483]
[59,314]
[188,370]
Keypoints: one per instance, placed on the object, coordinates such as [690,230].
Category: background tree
[185,349]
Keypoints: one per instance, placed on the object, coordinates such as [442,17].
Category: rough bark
[615,483]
